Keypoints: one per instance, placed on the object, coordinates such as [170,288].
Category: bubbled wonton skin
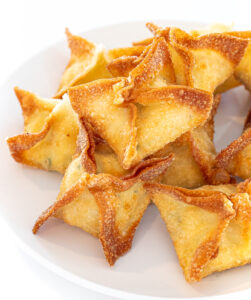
[50,133]
[210,227]
[202,62]
[135,124]
[194,153]
[236,157]
[88,62]
[140,114]
[104,205]
[139,129]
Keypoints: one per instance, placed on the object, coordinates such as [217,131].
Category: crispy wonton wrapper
[50,132]
[103,205]
[194,153]
[210,227]
[88,62]
[153,68]
[136,130]
[236,157]
[203,62]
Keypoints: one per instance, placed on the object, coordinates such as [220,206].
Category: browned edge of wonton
[213,201]
[103,187]
[226,155]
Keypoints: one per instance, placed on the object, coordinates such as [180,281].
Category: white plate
[151,268]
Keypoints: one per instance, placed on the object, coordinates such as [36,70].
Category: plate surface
[150,269]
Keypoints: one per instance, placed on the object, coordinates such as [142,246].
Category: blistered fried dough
[35,110]
[136,130]
[194,155]
[236,157]
[202,62]
[88,62]
[154,69]
[210,227]
[127,51]
[231,82]
[122,66]
[243,72]
[123,60]
[213,57]
[107,161]
[104,205]
[51,129]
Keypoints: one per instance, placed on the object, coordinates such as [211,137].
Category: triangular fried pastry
[210,227]
[243,72]
[35,109]
[50,133]
[88,62]
[202,62]
[123,60]
[194,152]
[136,130]
[154,68]
[103,205]
[236,157]
[231,82]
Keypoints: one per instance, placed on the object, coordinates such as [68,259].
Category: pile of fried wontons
[131,126]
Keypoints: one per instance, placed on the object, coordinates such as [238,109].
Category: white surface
[28,26]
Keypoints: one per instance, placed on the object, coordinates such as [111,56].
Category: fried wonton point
[105,206]
[88,62]
[203,62]
[210,227]
[50,133]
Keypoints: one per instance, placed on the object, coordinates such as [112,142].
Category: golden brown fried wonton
[104,205]
[50,133]
[88,62]
[136,130]
[202,62]
[210,227]
[194,153]
[236,157]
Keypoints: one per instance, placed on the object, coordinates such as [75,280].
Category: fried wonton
[203,62]
[210,227]
[104,205]
[88,62]
[194,152]
[50,132]
[137,129]
[153,69]
[243,72]
[236,157]
[125,52]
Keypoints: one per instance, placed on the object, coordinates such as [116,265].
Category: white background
[26,27]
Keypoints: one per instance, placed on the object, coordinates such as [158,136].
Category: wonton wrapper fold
[51,129]
[104,205]
[194,152]
[210,227]
[136,130]
[202,62]
[87,63]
